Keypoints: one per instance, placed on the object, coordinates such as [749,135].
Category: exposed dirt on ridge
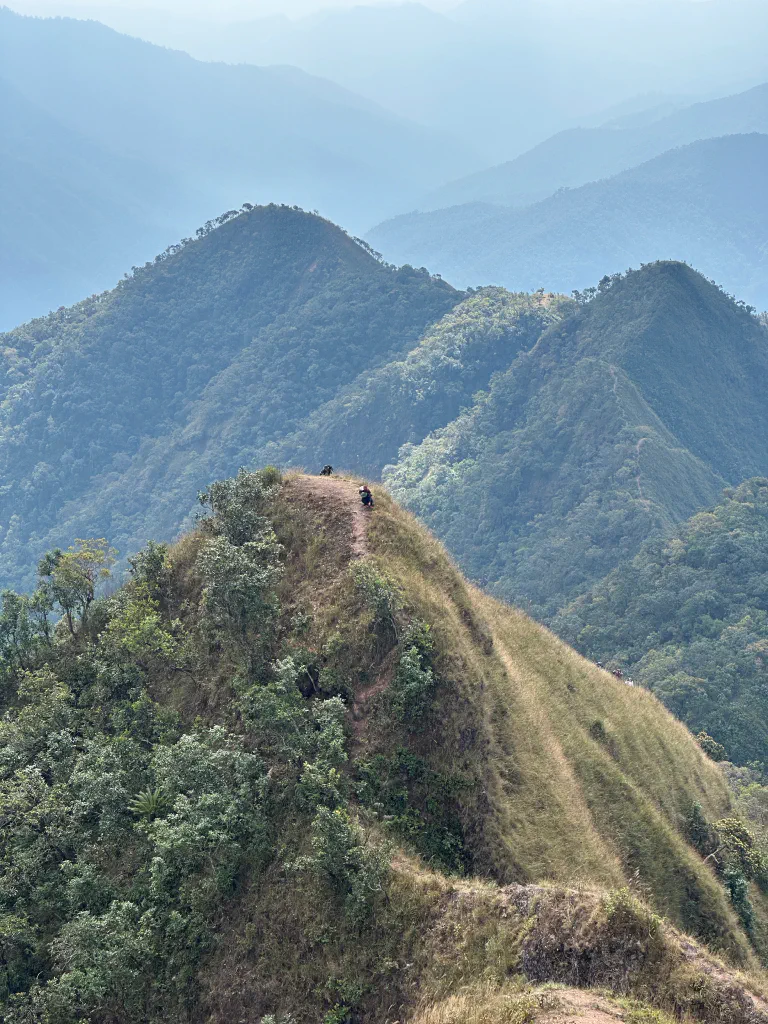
[341,497]
[579,1007]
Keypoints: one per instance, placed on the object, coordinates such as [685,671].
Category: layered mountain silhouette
[120,136]
[504,76]
[580,155]
[75,215]
[704,204]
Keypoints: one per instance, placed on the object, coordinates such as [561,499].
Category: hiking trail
[340,496]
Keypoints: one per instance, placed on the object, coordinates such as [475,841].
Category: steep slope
[117,411]
[261,799]
[688,617]
[580,155]
[620,422]
[363,428]
[220,133]
[704,204]
[75,216]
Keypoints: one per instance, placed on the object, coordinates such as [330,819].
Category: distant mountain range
[504,76]
[706,204]
[580,155]
[121,138]
[75,215]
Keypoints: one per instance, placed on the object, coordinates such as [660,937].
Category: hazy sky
[219,9]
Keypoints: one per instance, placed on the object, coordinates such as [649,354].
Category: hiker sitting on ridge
[326,471]
[365,495]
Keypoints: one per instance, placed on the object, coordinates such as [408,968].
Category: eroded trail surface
[341,496]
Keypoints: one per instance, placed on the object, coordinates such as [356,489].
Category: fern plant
[149,803]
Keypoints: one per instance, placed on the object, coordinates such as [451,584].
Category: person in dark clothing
[365,496]
[326,471]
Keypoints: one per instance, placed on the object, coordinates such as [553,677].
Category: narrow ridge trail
[341,496]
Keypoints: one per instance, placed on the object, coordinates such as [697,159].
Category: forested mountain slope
[624,419]
[287,767]
[688,616]
[704,204]
[210,135]
[75,215]
[364,426]
[580,155]
[115,412]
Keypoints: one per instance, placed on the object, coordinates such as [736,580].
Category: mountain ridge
[359,759]
[579,155]
[702,204]
[559,465]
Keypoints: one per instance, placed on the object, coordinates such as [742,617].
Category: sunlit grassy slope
[571,774]
[565,789]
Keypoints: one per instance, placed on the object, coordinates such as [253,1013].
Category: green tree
[70,578]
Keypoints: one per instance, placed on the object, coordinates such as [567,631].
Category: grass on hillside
[367,784]
[573,777]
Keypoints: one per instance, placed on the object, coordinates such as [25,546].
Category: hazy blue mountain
[229,133]
[706,204]
[506,75]
[580,155]
[75,216]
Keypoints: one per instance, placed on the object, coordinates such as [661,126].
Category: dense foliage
[596,438]
[125,828]
[400,403]
[704,203]
[688,616]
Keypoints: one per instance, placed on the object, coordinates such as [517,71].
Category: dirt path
[341,496]
[581,1007]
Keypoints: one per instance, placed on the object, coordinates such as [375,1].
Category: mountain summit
[625,418]
[297,766]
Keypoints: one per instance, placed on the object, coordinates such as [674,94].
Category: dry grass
[487,1004]
[518,713]
[543,801]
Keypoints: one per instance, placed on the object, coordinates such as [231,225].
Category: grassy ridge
[573,776]
[298,767]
